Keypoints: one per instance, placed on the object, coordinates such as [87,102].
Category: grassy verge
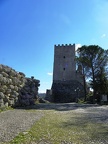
[5,108]
[58,127]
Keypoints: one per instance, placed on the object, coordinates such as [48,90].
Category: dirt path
[12,122]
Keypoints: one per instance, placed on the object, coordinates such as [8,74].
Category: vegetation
[101,82]
[5,108]
[94,62]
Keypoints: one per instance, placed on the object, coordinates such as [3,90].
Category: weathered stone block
[1,101]
[1,95]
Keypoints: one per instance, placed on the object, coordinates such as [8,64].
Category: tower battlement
[64,45]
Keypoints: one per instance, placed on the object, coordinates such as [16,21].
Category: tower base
[67,91]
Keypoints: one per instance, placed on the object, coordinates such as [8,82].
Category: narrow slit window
[64,69]
[64,57]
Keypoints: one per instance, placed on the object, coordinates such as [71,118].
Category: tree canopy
[94,61]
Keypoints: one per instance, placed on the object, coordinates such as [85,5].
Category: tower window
[64,69]
[64,57]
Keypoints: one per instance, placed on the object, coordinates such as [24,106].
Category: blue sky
[29,29]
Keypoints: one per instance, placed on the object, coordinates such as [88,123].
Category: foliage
[81,101]
[92,58]
[5,108]
[90,94]
[101,82]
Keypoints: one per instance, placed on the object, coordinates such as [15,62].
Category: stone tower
[64,63]
[67,83]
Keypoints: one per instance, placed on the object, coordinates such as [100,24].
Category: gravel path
[12,122]
[92,112]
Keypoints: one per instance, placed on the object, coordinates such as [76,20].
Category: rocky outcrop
[16,89]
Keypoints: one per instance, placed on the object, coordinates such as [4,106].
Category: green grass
[58,127]
[5,108]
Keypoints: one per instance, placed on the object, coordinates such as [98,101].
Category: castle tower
[67,82]
[64,63]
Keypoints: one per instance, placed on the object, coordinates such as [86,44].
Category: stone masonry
[67,83]
[64,63]
[16,89]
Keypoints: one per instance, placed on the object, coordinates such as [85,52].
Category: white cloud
[77,46]
[103,35]
[49,73]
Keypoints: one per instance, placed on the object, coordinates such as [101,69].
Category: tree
[79,60]
[101,82]
[92,58]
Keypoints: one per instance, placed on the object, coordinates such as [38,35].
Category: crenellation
[64,45]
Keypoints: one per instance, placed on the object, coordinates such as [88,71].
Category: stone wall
[16,89]
[49,96]
[67,91]
[64,62]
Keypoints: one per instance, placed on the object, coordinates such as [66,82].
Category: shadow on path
[59,106]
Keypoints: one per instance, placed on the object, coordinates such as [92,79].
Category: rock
[4,74]
[1,105]
[42,100]
[6,98]
[6,104]
[9,81]
[11,87]
[16,89]
[1,78]
[1,101]
[0,68]
[2,90]
[11,102]
[8,91]
[1,95]
[4,87]
[22,74]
